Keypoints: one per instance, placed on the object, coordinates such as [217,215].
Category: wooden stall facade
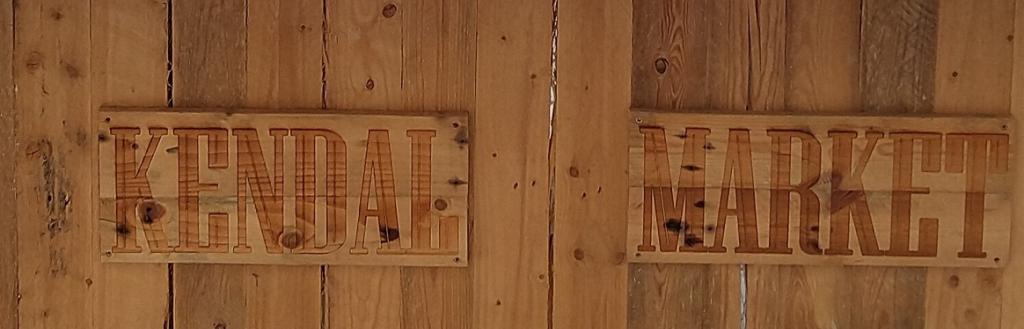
[548,190]
[798,56]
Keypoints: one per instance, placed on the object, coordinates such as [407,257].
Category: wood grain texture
[808,234]
[364,297]
[364,54]
[8,150]
[438,72]
[898,55]
[55,266]
[364,70]
[702,50]
[897,76]
[266,218]
[1013,274]
[129,57]
[284,68]
[975,48]
[589,265]
[822,54]
[509,259]
[209,58]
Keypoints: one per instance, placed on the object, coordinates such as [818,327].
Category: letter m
[663,203]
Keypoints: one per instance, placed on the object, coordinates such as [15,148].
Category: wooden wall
[878,56]
[548,215]
[71,56]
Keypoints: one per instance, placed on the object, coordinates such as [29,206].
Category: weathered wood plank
[364,70]
[8,150]
[509,262]
[670,54]
[768,42]
[589,265]
[822,75]
[364,57]
[898,55]
[1013,274]
[705,48]
[284,53]
[975,48]
[897,76]
[55,269]
[823,56]
[129,54]
[209,56]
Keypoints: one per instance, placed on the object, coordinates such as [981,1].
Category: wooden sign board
[811,189]
[274,188]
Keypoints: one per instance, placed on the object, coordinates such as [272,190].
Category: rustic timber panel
[826,69]
[8,149]
[839,56]
[792,187]
[130,69]
[208,187]
[284,68]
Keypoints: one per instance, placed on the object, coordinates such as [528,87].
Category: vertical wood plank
[822,47]
[898,55]
[209,52]
[364,297]
[53,201]
[589,266]
[768,56]
[435,298]
[129,52]
[364,70]
[898,46]
[729,54]
[284,69]
[509,249]
[823,56]
[365,54]
[1013,274]
[700,50]
[438,71]
[975,48]
[8,149]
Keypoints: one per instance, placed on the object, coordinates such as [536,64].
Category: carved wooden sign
[807,189]
[275,188]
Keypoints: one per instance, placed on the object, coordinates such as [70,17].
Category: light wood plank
[705,47]
[589,265]
[1013,274]
[8,150]
[975,48]
[822,75]
[894,32]
[509,261]
[438,72]
[209,56]
[129,55]
[364,297]
[364,70]
[364,57]
[284,54]
[55,265]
